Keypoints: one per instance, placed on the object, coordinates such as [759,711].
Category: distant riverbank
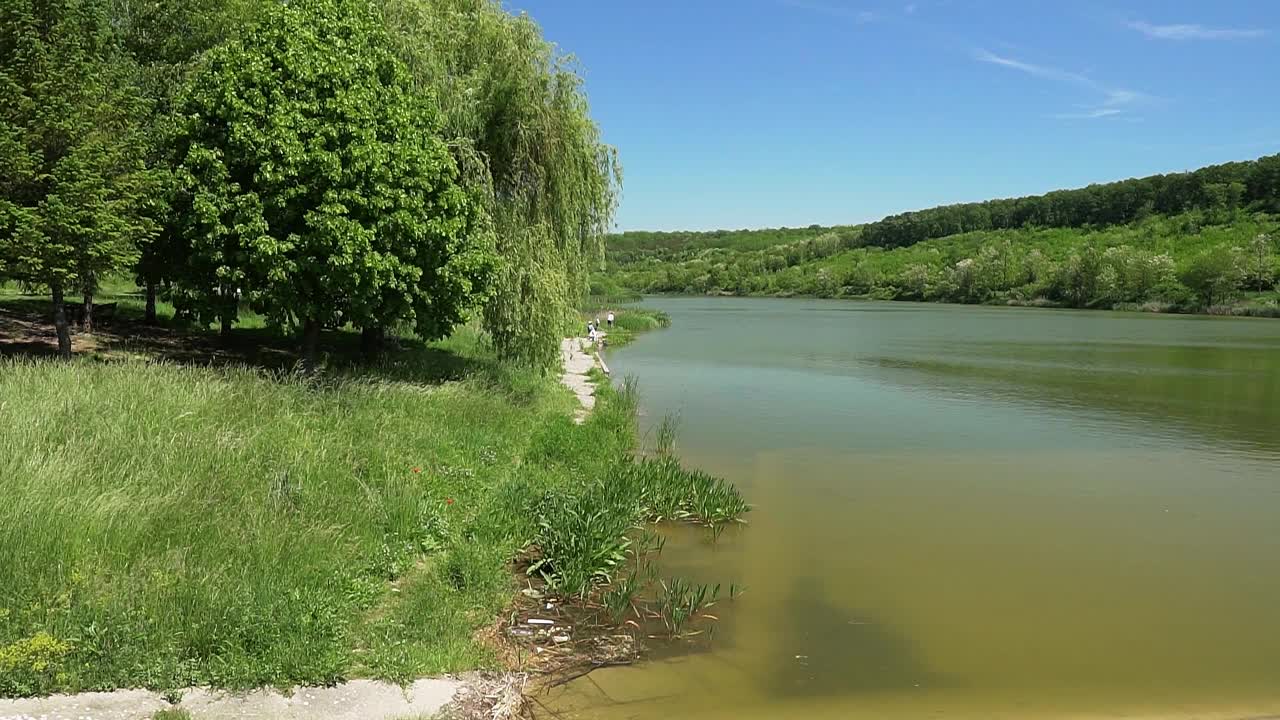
[1266,308]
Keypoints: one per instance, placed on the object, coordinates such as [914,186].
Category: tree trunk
[310,343]
[86,321]
[371,340]
[151,302]
[230,308]
[60,321]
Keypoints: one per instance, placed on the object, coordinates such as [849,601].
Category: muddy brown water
[969,512]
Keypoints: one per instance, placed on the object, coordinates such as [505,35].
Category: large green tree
[518,120]
[74,188]
[165,39]
[1215,274]
[315,185]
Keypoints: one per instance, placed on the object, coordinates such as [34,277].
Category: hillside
[1195,241]
[637,245]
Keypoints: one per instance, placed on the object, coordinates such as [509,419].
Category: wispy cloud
[858,16]
[1195,32]
[1114,101]
[1088,115]
[1043,71]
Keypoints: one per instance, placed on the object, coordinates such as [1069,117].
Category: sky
[765,113]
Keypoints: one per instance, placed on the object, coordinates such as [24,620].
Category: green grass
[170,524]
[171,714]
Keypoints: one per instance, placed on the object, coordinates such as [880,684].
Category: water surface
[967,512]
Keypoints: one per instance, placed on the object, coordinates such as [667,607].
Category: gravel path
[355,700]
[577,363]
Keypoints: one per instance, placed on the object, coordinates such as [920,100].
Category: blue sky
[762,113]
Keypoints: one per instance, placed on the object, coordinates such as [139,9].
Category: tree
[74,189]
[165,38]
[314,183]
[519,124]
[916,281]
[1261,264]
[1215,274]
[1078,276]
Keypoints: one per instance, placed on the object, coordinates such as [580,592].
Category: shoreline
[462,693]
[1269,312]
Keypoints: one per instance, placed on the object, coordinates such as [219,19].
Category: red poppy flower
[448,501]
[417,469]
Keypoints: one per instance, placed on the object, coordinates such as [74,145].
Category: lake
[968,512]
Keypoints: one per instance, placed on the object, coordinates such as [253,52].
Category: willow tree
[519,123]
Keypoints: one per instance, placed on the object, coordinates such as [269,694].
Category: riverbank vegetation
[172,522]
[1194,242]
[386,210]
[629,320]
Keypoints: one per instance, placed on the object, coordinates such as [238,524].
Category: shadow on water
[839,652]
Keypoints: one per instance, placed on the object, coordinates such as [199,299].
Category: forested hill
[1203,240]
[1254,184]
[642,244]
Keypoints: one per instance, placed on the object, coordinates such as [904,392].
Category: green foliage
[518,121]
[636,245]
[315,183]
[1218,190]
[1131,244]
[31,665]
[1260,261]
[75,190]
[584,534]
[1215,274]
[1142,265]
[165,40]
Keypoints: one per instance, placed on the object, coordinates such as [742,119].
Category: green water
[969,512]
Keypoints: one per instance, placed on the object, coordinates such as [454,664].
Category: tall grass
[585,531]
[170,525]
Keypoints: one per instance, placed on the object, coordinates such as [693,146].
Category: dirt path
[577,363]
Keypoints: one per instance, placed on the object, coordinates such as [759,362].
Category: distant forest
[1196,241]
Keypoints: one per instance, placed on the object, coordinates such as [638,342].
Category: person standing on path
[609,319]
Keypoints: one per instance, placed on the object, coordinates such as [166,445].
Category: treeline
[1203,240]
[1181,263]
[636,245]
[371,163]
[1217,189]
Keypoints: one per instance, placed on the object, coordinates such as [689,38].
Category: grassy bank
[170,522]
[629,321]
